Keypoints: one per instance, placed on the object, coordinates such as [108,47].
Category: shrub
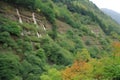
[87,42]
[94,52]
[41,54]
[6,39]
[11,27]
[56,54]
[26,68]
[112,72]
[52,74]
[26,3]
[27,46]
[38,66]
[46,10]
[53,34]
[9,66]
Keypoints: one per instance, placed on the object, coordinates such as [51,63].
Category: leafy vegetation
[84,46]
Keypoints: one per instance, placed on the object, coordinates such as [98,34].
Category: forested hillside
[57,40]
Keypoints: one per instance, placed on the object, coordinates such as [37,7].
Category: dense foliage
[89,49]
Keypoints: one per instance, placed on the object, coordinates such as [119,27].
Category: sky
[109,4]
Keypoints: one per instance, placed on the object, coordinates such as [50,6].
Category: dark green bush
[53,33]
[112,71]
[11,27]
[46,10]
[26,3]
[5,38]
[33,77]
[94,52]
[61,57]
[41,54]
[88,42]
[26,69]
[36,62]
[57,55]
[9,66]
[27,46]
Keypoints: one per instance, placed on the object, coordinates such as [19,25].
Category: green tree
[52,74]
[9,66]
[84,55]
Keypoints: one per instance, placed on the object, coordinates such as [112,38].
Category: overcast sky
[110,4]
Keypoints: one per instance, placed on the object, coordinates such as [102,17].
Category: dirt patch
[62,27]
[91,41]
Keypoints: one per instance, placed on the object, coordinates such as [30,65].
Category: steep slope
[113,14]
[56,40]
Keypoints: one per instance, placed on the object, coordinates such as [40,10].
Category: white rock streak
[33,15]
[20,19]
[44,27]
[35,22]
[39,35]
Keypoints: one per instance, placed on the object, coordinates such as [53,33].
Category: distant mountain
[115,15]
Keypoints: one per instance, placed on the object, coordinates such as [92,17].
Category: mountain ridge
[115,15]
